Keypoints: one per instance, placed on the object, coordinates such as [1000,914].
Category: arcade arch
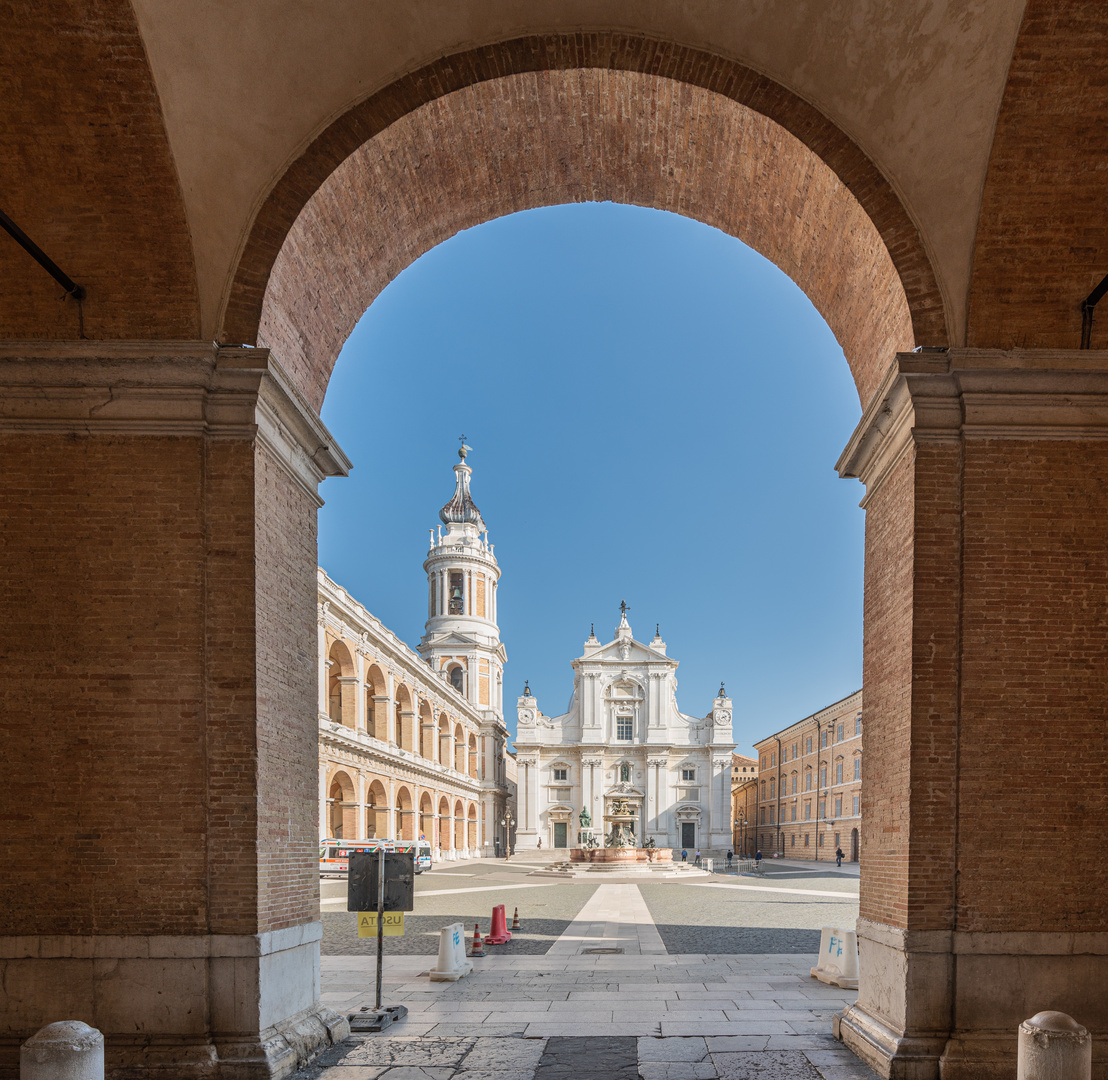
[342,807]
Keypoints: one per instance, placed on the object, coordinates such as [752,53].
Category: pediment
[627,651]
[624,791]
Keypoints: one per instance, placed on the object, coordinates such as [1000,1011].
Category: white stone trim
[158,946]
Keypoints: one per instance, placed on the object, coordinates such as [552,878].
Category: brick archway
[594,117]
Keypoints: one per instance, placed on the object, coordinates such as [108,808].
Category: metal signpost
[385,881]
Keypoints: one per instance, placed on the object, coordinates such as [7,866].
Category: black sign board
[361,882]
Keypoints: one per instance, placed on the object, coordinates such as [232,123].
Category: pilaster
[984,587]
[171,557]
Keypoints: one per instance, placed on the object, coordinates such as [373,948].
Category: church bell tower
[461,641]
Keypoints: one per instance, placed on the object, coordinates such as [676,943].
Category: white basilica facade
[624,739]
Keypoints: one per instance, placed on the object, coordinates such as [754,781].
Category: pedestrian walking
[730,856]
[698,856]
[540,843]
[684,855]
[838,856]
[758,857]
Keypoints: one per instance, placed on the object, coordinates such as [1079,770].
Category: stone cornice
[159,388]
[392,763]
[955,394]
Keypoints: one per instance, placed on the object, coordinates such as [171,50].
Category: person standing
[684,855]
[698,856]
[758,858]
[838,856]
[730,856]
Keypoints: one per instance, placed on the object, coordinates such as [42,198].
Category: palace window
[624,725]
[808,810]
[771,815]
[688,774]
[561,774]
[822,808]
[840,733]
[794,840]
[794,783]
[825,739]
[808,745]
[855,805]
[794,751]
[808,780]
[773,759]
[839,773]
[806,839]
[794,812]
[821,839]
[763,815]
[857,768]
[838,806]
[773,789]
[858,724]
[823,776]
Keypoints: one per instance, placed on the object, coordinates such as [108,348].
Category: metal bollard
[67,1050]
[1053,1046]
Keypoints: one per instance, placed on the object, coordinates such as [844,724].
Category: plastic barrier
[838,958]
[452,963]
[498,933]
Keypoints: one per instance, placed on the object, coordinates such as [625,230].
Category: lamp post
[742,846]
[507,821]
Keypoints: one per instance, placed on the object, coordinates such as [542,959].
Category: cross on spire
[624,607]
[463,449]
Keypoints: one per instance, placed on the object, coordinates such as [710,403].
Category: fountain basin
[621,855]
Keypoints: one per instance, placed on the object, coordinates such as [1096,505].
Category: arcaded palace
[413,744]
[624,740]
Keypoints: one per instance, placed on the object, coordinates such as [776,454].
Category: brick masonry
[469,156]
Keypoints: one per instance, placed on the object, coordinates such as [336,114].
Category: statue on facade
[585,817]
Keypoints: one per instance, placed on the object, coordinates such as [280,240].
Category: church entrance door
[560,828]
[688,834]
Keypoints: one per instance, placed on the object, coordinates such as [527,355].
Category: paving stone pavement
[732,999]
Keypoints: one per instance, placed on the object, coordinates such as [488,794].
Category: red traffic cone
[498,932]
[515,919]
[478,948]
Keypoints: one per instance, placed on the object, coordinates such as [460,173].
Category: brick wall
[1034,743]
[886,677]
[288,733]
[102,689]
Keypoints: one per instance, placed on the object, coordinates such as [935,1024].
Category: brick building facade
[744,803]
[809,785]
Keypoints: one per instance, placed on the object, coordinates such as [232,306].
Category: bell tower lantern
[461,641]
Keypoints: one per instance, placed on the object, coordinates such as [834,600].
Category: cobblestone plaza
[710,980]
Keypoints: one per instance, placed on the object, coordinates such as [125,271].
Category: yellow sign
[367,923]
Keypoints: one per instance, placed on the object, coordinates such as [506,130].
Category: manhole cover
[602,952]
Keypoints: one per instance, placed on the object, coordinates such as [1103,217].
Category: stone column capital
[949,395]
[183,388]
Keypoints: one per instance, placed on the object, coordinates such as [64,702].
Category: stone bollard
[1053,1046]
[67,1050]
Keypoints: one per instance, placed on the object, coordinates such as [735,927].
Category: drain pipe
[1087,306]
[44,260]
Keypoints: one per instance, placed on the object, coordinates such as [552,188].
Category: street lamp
[742,846]
[507,821]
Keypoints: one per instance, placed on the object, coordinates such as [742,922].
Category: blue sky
[655,412]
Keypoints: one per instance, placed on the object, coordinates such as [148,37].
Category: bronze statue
[585,817]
